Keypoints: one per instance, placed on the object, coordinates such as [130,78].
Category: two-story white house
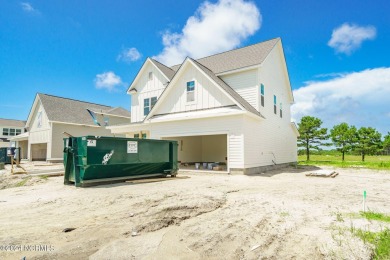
[232,108]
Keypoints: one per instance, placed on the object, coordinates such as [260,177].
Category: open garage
[38,152]
[202,152]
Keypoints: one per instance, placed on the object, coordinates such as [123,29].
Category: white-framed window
[150,75]
[275,109]
[11,131]
[149,104]
[5,131]
[39,119]
[281,110]
[190,91]
[262,95]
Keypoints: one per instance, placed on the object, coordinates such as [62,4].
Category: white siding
[268,142]
[146,89]
[207,94]
[272,139]
[39,134]
[244,83]
[275,82]
[230,125]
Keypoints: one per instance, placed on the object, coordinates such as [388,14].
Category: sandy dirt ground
[278,215]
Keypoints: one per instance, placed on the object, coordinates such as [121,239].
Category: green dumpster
[89,160]
[7,152]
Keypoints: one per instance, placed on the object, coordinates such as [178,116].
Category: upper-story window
[149,104]
[262,95]
[275,104]
[281,111]
[190,91]
[39,119]
[150,76]
[11,131]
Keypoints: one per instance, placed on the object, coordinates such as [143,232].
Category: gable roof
[237,97]
[167,71]
[12,122]
[66,110]
[230,92]
[238,58]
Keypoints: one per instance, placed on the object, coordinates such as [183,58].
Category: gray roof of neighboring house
[168,72]
[12,122]
[238,58]
[74,111]
[228,89]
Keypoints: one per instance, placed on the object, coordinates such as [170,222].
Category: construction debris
[322,173]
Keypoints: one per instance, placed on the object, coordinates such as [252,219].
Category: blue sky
[337,51]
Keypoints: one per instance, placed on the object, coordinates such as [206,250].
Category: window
[153,101]
[190,91]
[39,120]
[18,131]
[12,131]
[262,94]
[275,104]
[5,131]
[136,135]
[149,104]
[281,112]
[150,77]
[146,106]
[143,136]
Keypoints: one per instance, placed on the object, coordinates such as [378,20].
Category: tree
[369,141]
[386,143]
[343,137]
[311,134]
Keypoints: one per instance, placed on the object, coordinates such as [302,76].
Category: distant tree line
[345,138]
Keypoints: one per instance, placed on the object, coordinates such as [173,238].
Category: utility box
[90,160]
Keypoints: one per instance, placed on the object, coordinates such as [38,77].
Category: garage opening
[38,152]
[203,153]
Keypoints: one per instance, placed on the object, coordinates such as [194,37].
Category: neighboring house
[8,129]
[51,116]
[232,107]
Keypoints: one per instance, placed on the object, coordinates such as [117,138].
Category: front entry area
[203,152]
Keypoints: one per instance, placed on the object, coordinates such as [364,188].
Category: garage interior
[203,153]
[38,152]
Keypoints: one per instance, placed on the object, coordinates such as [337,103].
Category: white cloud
[27,7]
[358,98]
[349,37]
[129,55]
[108,80]
[215,27]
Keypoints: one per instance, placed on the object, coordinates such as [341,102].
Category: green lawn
[372,162]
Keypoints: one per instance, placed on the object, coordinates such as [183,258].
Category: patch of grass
[44,177]
[370,215]
[22,182]
[380,241]
[351,161]
[284,214]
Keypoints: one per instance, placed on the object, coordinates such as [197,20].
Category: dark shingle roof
[168,72]
[74,111]
[228,89]
[12,122]
[238,58]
